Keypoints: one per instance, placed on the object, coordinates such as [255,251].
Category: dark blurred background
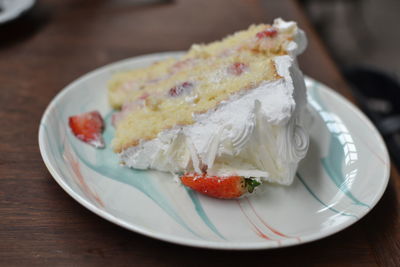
[359,32]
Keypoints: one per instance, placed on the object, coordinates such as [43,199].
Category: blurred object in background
[359,32]
[12,9]
[364,39]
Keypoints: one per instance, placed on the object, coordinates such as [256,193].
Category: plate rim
[220,245]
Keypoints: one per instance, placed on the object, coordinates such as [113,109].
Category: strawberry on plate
[219,187]
[88,127]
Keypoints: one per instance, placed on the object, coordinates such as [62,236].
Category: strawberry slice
[270,32]
[88,128]
[237,68]
[219,187]
[180,89]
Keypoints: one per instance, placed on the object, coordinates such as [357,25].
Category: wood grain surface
[57,42]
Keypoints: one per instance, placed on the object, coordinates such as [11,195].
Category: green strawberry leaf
[251,184]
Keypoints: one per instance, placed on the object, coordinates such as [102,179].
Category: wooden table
[61,40]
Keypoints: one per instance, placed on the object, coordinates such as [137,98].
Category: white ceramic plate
[342,178]
[12,9]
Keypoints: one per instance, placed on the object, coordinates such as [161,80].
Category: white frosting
[299,44]
[258,133]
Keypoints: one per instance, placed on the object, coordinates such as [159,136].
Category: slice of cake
[230,108]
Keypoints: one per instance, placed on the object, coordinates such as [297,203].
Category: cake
[234,107]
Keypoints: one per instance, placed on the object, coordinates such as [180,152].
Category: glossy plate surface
[342,178]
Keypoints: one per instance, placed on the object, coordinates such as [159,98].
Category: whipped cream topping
[299,43]
[258,133]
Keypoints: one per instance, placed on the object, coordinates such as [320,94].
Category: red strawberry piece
[88,128]
[270,32]
[180,89]
[237,68]
[219,187]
